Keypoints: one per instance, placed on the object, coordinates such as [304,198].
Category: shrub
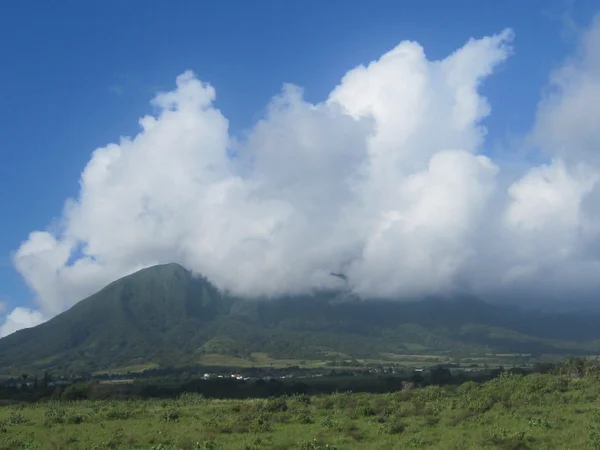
[16,418]
[54,414]
[76,391]
[327,403]
[365,411]
[302,399]
[505,439]
[328,422]
[468,387]
[305,418]
[208,445]
[539,422]
[170,415]
[354,433]
[273,405]
[119,413]
[416,442]
[75,418]
[260,423]
[316,445]
[392,427]
[190,399]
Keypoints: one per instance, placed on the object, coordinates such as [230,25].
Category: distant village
[246,375]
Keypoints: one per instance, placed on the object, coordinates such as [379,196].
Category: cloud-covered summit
[385,181]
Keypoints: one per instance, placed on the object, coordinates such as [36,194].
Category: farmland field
[340,360]
[510,412]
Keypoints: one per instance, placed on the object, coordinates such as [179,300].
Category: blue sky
[77,75]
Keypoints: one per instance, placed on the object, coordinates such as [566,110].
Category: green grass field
[510,412]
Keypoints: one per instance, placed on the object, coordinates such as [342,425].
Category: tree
[576,367]
[46,380]
[77,391]
[440,375]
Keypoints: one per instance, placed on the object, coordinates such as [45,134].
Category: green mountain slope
[139,318]
[165,316]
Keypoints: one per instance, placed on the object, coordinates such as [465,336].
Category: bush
[54,414]
[170,415]
[302,399]
[365,411]
[505,439]
[392,427]
[305,418]
[260,423]
[274,405]
[328,422]
[77,391]
[75,418]
[315,445]
[16,418]
[190,399]
[119,413]
[468,388]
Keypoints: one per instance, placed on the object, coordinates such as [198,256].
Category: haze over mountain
[388,180]
[166,316]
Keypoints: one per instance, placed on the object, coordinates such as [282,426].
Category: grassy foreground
[511,412]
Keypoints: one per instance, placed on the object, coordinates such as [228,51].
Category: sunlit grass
[511,412]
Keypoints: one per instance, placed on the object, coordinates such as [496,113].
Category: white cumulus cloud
[20,318]
[386,180]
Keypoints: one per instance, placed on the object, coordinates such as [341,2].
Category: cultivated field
[342,361]
[510,412]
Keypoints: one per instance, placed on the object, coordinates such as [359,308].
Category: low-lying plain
[510,412]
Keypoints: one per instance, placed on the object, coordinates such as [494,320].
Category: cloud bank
[20,318]
[385,181]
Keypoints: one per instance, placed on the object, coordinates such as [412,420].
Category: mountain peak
[163,269]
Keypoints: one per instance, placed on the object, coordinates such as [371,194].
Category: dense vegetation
[163,316]
[542,410]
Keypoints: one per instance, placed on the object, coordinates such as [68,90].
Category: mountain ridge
[165,315]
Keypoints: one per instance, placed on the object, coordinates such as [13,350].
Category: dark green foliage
[302,399]
[16,418]
[119,413]
[392,427]
[328,422]
[305,418]
[170,415]
[316,445]
[54,414]
[273,405]
[365,411]
[76,418]
[440,375]
[77,391]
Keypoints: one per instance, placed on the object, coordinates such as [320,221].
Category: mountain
[164,315]
[139,318]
